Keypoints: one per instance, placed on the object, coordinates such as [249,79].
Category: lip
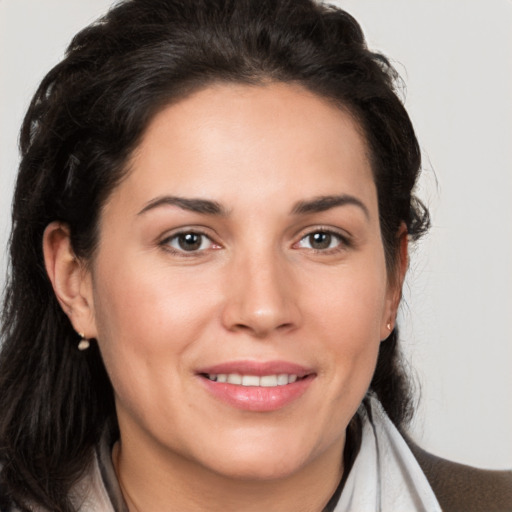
[257,368]
[257,398]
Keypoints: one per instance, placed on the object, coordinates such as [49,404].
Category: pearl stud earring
[83,343]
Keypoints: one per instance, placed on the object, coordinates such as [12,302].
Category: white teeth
[282,379]
[234,378]
[266,381]
[269,381]
[250,380]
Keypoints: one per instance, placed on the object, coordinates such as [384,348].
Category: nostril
[260,329]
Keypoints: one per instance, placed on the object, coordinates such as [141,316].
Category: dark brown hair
[84,121]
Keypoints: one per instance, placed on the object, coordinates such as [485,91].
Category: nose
[261,296]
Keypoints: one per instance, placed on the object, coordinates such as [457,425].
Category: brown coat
[461,488]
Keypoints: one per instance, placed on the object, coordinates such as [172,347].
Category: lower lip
[258,398]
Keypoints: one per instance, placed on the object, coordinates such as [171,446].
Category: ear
[70,279]
[395,284]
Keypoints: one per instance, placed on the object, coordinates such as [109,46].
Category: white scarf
[385,476]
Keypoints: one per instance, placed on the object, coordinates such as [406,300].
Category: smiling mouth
[266,381]
[257,387]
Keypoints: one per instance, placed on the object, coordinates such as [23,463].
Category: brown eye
[189,241]
[322,241]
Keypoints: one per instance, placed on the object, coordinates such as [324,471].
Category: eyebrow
[208,207]
[203,206]
[324,203]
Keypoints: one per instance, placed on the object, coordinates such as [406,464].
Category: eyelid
[168,237]
[344,238]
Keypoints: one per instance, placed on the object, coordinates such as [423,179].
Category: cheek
[145,316]
[131,299]
[350,301]
[148,322]
[349,312]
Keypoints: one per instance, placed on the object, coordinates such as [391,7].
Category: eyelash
[343,242]
[166,243]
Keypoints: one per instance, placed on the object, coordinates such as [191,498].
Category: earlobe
[396,283]
[70,280]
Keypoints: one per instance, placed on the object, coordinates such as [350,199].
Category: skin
[257,289]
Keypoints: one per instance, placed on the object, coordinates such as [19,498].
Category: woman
[210,236]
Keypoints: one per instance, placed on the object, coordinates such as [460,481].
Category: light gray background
[456,59]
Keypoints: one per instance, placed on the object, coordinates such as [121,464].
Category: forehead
[263,139]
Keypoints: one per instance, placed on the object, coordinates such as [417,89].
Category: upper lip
[257,368]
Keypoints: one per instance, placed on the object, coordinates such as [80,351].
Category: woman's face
[239,291]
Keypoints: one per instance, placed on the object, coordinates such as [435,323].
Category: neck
[153,482]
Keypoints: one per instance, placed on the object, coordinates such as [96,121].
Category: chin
[259,469]
[263,459]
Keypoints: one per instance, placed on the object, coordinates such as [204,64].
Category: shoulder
[461,488]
